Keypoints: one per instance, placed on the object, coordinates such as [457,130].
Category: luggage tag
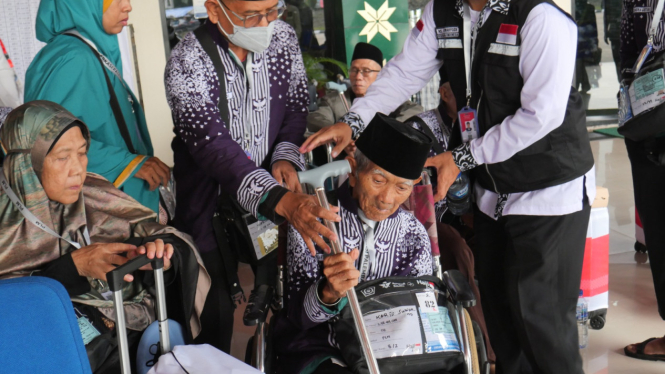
[88,331]
[264,235]
[427,302]
[468,123]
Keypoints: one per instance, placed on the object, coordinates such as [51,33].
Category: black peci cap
[394,146]
[368,51]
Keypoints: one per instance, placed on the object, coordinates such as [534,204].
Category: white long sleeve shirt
[547,62]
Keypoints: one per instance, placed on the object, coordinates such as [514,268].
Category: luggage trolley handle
[116,283]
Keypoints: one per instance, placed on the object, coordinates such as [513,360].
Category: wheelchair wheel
[472,343]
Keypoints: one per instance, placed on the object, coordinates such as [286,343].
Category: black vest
[562,155]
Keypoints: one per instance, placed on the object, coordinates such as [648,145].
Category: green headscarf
[67,72]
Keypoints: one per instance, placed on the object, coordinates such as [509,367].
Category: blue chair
[39,332]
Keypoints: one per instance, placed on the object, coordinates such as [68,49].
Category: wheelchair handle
[317,177]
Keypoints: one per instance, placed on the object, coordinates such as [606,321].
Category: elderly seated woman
[75,226]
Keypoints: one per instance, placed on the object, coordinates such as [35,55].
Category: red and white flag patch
[507,34]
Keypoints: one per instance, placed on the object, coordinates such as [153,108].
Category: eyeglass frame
[364,72]
[280,12]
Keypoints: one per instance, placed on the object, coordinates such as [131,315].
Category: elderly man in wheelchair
[387,257]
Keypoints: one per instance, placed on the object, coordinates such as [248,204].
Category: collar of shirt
[216,35]
[346,200]
[501,6]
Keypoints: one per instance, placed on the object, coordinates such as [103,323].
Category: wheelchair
[260,350]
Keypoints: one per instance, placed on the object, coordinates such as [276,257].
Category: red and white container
[640,243]
[595,270]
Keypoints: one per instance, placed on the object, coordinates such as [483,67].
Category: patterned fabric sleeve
[292,132]
[629,50]
[192,89]
[304,309]
[421,248]
[356,123]
[464,158]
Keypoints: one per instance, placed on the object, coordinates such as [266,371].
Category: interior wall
[151,54]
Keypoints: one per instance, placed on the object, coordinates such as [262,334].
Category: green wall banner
[383,23]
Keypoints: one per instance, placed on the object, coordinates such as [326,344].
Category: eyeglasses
[255,19]
[364,72]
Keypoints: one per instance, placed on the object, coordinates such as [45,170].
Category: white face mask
[254,39]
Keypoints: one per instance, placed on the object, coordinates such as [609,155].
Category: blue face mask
[254,39]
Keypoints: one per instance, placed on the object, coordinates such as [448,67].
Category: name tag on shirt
[507,34]
[642,9]
[447,32]
[468,124]
[504,49]
[450,43]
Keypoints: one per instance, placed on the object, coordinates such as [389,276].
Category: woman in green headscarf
[58,221]
[68,72]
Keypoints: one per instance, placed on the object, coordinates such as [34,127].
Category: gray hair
[362,162]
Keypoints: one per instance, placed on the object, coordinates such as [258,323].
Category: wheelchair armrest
[459,289]
[258,305]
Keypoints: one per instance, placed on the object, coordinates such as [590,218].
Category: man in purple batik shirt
[248,151]
[378,238]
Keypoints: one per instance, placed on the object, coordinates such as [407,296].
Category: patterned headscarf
[27,135]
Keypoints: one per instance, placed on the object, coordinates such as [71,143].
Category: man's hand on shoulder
[339,133]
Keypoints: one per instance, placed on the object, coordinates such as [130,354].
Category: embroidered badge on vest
[447,32]
[507,34]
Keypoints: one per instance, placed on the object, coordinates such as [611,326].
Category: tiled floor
[632,315]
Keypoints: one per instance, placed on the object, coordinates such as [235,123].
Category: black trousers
[648,185]
[529,270]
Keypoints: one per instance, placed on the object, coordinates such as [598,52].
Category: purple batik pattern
[267,111]
[402,249]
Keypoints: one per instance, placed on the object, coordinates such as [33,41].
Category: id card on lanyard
[467,118]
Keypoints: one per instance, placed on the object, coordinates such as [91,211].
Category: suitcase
[595,269]
[116,282]
[195,358]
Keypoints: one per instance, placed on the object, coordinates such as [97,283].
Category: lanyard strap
[31,217]
[369,248]
[470,45]
[109,65]
[656,20]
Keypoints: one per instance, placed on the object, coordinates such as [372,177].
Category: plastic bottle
[459,197]
[582,320]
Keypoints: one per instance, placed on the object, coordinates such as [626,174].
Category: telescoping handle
[116,283]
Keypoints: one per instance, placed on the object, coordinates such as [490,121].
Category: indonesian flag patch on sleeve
[507,34]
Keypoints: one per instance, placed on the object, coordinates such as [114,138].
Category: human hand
[350,149]
[284,172]
[154,249]
[341,275]
[448,98]
[155,172]
[447,172]
[339,133]
[97,259]
[302,212]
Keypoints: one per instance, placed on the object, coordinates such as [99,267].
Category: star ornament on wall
[377,21]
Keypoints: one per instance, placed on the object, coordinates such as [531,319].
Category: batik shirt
[267,104]
[304,332]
